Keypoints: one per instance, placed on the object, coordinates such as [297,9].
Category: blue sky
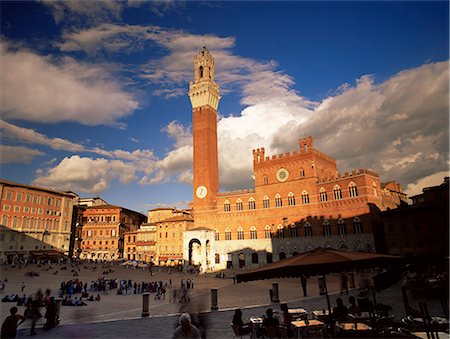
[94,94]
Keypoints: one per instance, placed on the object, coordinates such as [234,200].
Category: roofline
[37,188]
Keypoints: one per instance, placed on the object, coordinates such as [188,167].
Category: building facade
[300,200]
[40,218]
[103,231]
[420,228]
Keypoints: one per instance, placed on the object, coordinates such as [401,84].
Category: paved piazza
[114,307]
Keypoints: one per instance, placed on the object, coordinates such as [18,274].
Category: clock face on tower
[201,192]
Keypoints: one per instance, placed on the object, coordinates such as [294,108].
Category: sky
[93,94]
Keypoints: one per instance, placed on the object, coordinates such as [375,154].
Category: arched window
[266,203]
[227,234]
[267,232]
[24,222]
[293,231]
[353,190]
[323,195]
[357,225]
[280,231]
[305,197]
[326,228]
[269,258]
[254,258]
[226,206]
[302,173]
[216,234]
[5,220]
[251,204]
[308,229]
[282,255]
[239,205]
[265,180]
[240,233]
[201,71]
[341,227]
[253,233]
[278,202]
[337,192]
[217,258]
[291,199]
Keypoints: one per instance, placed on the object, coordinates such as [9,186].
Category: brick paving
[118,316]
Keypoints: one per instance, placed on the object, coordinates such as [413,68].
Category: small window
[302,173]
[254,258]
[280,231]
[308,230]
[323,195]
[239,205]
[265,179]
[226,206]
[293,231]
[357,225]
[216,235]
[341,227]
[326,229]
[217,258]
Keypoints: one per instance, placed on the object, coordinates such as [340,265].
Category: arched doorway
[269,258]
[282,255]
[241,258]
[195,252]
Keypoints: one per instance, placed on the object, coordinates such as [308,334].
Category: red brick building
[300,200]
[103,231]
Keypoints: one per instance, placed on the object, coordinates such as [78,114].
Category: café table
[306,327]
[352,329]
[424,335]
[298,313]
[322,315]
[256,325]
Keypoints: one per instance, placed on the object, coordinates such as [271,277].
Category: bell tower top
[204,91]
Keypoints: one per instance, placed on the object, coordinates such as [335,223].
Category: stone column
[214,299]
[275,298]
[145,303]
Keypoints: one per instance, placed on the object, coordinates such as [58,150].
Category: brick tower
[205,95]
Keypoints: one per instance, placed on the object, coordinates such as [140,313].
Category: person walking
[9,326]
[304,282]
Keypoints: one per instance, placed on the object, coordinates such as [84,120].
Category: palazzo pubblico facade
[300,201]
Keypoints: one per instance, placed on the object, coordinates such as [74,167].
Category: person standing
[304,282]
[344,282]
[9,326]
[23,286]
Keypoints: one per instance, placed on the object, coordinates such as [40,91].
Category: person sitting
[287,320]
[270,325]
[353,308]
[97,297]
[243,329]
[340,312]
[91,298]
[186,329]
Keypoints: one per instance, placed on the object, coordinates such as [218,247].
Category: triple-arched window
[305,197]
[227,234]
[353,190]
[240,233]
[291,199]
[267,232]
[280,231]
[302,173]
[357,225]
[341,227]
[323,195]
[278,201]
[253,233]
[266,203]
[226,206]
[308,230]
[337,192]
[251,204]
[326,228]
[239,205]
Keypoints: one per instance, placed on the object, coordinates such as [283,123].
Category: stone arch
[308,247]
[195,247]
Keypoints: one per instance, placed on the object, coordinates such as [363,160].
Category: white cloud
[37,88]
[428,181]
[84,11]
[17,154]
[86,174]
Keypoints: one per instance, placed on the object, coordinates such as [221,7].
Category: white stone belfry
[204,90]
